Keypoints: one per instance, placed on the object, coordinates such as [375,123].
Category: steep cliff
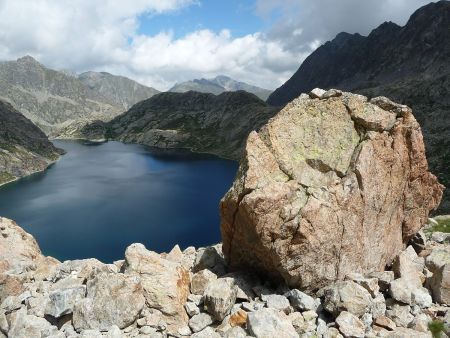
[24,148]
[408,64]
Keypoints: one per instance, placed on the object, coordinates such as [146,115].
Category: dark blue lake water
[99,198]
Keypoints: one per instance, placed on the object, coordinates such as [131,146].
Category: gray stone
[200,321]
[439,257]
[378,307]
[347,296]
[10,304]
[440,237]
[184,331]
[367,319]
[401,290]
[196,299]
[277,302]
[206,333]
[401,332]
[112,299]
[301,301]
[23,325]
[440,284]
[316,93]
[399,313]
[421,297]
[191,309]
[147,330]
[235,332]
[200,281]
[321,327]
[409,266]
[332,332]
[269,323]
[244,282]
[210,258]
[350,325]
[165,283]
[4,325]
[219,297]
[114,332]
[61,302]
[370,284]
[384,279]
[331,93]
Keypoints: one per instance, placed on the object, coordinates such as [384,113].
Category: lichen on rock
[328,186]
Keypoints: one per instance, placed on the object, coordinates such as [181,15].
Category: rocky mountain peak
[28,60]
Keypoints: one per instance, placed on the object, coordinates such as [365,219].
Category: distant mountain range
[409,64]
[202,122]
[219,85]
[53,99]
[24,148]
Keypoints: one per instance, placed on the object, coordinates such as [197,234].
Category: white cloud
[321,20]
[102,35]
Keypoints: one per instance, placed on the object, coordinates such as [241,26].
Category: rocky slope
[219,85]
[24,148]
[53,99]
[117,89]
[190,294]
[408,64]
[329,165]
[201,122]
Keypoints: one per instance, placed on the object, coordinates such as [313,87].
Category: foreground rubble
[189,293]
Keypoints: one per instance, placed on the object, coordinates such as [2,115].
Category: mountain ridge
[218,85]
[201,122]
[53,99]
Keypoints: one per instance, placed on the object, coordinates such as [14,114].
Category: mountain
[202,122]
[24,148]
[219,85]
[409,64]
[53,99]
[118,89]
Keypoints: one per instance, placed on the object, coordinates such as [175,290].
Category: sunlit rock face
[333,184]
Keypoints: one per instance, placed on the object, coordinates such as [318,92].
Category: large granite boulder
[19,250]
[112,299]
[165,283]
[329,186]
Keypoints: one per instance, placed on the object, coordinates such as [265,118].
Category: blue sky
[238,16]
[161,42]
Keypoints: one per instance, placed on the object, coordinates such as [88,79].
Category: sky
[161,42]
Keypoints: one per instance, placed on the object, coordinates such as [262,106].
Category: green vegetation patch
[6,177]
[442,226]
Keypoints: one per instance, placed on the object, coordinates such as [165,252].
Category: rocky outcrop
[147,295]
[200,122]
[24,148]
[331,185]
[408,64]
